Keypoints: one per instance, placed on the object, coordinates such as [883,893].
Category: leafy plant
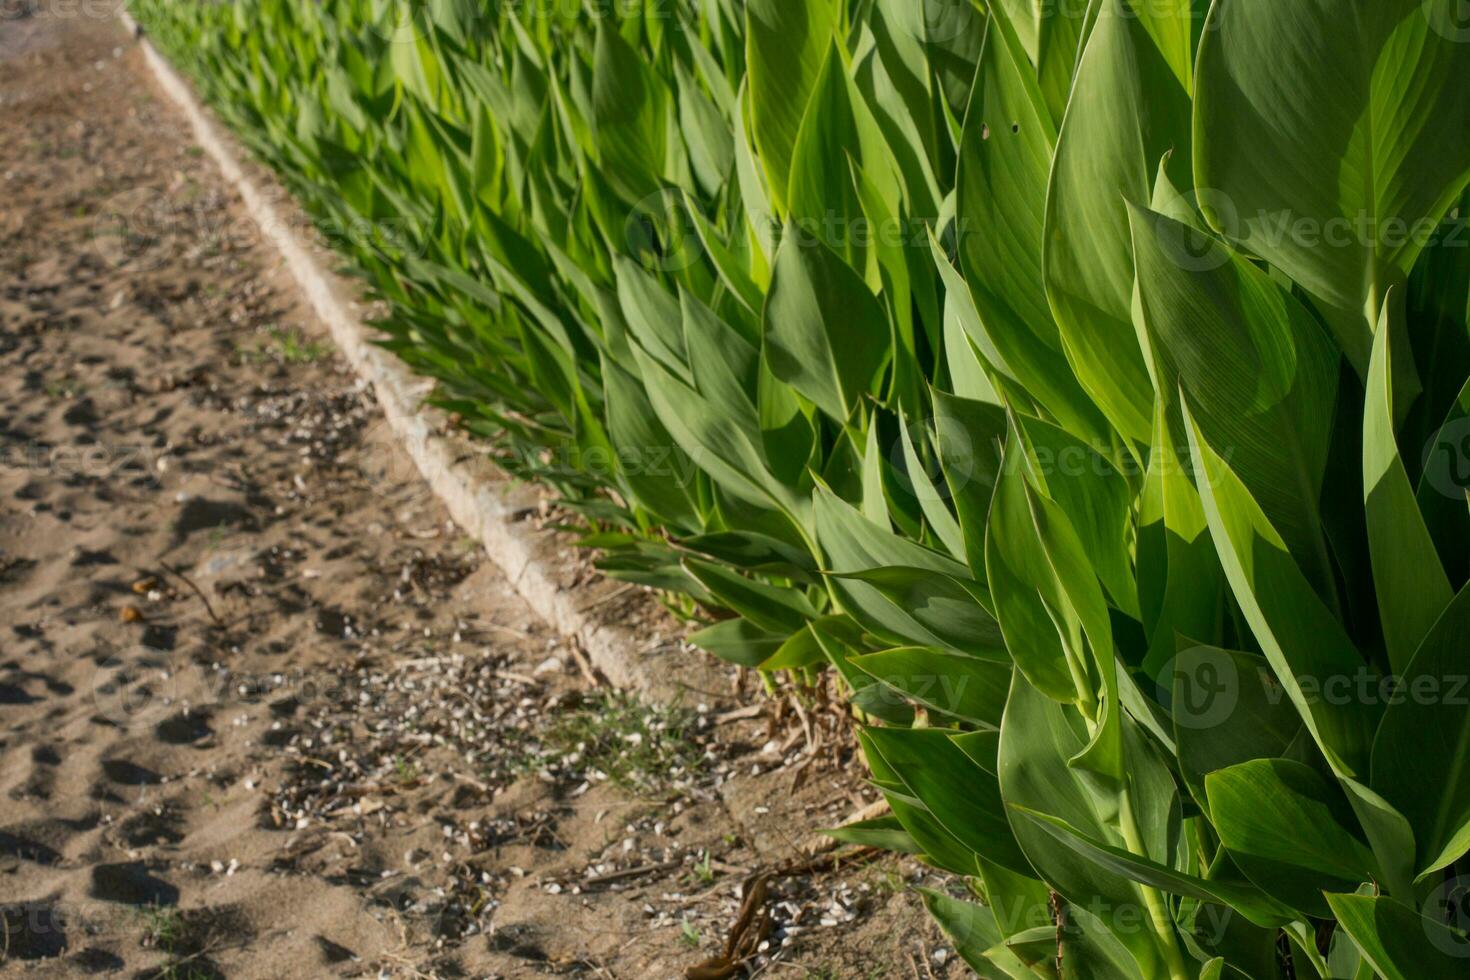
[1085,383]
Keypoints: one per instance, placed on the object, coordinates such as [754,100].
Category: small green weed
[638,748]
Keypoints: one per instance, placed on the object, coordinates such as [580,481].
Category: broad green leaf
[1284,814]
[786,45]
[971,927]
[947,609]
[630,112]
[1259,373]
[774,609]
[1181,587]
[1005,157]
[1094,495]
[1020,579]
[962,797]
[841,641]
[1421,755]
[1319,129]
[1399,942]
[1227,709]
[1081,595]
[968,435]
[837,134]
[825,334]
[931,498]
[1307,648]
[1410,583]
[664,486]
[1128,108]
[1038,737]
[1250,902]
[882,832]
[940,846]
[738,641]
[967,688]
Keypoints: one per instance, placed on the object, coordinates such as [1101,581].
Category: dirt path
[263,710]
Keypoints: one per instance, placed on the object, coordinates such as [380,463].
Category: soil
[266,711]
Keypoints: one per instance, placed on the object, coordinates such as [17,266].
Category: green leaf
[940,846]
[1319,129]
[931,499]
[785,47]
[886,833]
[1248,901]
[1259,373]
[738,641]
[840,640]
[774,609]
[1227,709]
[838,134]
[665,485]
[967,688]
[1038,738]
[825,334]
[1400,943]
[1020,579]
[971,927]
[1129,107]
[1284,813]
[1001,183]
[946,609]
[1181,587]
[1411,585]
[1302,641]
[968,435]
[1421,755]
[630,112]
[962,797]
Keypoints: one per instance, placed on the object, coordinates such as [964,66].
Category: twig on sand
[584,662]
[642,869]
[197,591]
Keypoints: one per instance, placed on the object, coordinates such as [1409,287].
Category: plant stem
[1158,912]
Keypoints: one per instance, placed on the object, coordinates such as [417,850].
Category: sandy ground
[266,712]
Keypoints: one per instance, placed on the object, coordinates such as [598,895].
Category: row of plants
[1084,383]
